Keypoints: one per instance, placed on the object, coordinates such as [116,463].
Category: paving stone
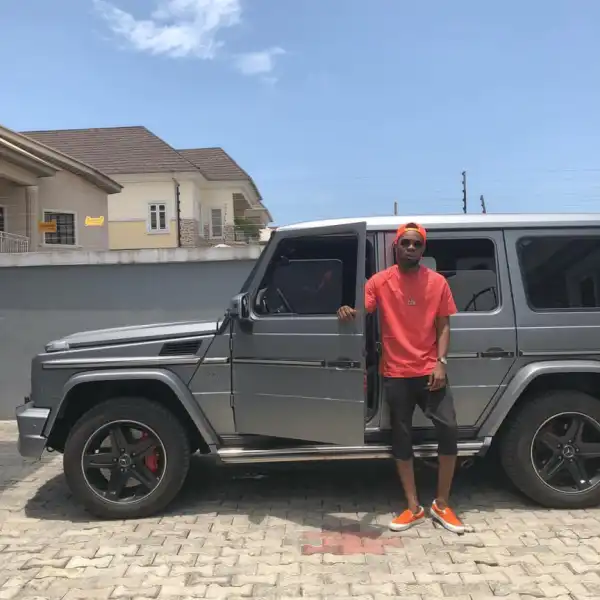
[306,531]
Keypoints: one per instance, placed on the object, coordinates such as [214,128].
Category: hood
[135,333]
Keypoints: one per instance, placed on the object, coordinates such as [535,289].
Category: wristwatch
[443,360]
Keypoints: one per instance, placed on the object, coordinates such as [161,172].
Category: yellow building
[218,201]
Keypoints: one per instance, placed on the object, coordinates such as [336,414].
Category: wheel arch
[89,388]
[581,375]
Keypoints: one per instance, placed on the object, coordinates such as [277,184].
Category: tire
[516,447]
[165,428]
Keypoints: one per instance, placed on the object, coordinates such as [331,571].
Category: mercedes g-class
[280,378]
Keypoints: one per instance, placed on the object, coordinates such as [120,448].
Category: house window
[2,219]
[216,222]
[157,218]
[65,228]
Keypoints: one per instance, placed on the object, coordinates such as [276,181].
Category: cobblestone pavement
[315,531]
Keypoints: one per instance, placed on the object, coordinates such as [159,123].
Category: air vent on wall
[182,348]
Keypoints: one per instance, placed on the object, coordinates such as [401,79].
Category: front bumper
[31,422]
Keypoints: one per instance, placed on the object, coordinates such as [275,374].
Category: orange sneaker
[408,519]
[447,518]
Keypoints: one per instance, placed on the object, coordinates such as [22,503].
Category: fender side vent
[183,348]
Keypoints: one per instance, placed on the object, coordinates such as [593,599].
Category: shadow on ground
[322,495]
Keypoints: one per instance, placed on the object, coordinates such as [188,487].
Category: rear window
[561,272]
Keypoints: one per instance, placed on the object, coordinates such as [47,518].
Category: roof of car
[462,221]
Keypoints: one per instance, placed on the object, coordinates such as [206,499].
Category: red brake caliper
[151,460]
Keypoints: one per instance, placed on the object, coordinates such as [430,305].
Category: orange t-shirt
[408,304]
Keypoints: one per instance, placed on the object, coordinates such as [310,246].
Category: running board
[314,453]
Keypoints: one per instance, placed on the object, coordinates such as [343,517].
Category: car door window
[309,276]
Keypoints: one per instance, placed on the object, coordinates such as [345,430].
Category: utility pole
[395,208]
[464,185]
[482,200]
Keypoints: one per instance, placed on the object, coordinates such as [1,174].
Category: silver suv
[279,378]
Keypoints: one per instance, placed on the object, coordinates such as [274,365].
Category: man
[415,304]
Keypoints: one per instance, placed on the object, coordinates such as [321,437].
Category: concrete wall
[134,234]
[69,292]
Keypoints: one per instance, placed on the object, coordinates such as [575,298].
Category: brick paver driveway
[314,531]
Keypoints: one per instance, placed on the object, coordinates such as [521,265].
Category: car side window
[311,275]
[470,267]
[561,272]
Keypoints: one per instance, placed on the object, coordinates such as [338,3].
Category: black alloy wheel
[126,458]
[124,461]
[550,448]
[565,453]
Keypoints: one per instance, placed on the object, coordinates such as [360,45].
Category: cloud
[258,63]
[186,28]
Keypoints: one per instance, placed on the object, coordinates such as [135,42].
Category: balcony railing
[247,233]
[11,243]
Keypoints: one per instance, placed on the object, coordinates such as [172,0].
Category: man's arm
[442,326]
[347,313]
[447,307]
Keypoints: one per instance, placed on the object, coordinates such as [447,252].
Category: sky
[334,107]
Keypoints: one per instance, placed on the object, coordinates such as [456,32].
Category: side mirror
[239,307]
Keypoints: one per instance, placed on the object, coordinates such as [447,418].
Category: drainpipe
[177,211]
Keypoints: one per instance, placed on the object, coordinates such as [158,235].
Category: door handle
[496,353]
[343,364]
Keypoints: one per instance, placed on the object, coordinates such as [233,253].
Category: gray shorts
[403,394]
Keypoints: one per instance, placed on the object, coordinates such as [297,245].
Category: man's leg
[406,472]
[447,466]
[439,407]
[401,399]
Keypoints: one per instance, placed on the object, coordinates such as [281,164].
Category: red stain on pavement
[360,542]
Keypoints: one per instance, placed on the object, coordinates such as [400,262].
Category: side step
[314,453]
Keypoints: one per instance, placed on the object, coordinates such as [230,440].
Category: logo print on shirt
[411,302]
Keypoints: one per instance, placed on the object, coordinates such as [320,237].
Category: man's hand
[346,313]
[437,379]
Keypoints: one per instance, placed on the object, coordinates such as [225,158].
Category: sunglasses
[406,243]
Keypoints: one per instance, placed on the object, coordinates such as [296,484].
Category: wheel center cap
[568,451]
[125,461]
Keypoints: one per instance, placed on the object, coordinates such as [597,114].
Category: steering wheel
[480,293]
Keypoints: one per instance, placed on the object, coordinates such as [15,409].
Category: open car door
[297,371]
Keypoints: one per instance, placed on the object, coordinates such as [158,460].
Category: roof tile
[215,164]
[116,150]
